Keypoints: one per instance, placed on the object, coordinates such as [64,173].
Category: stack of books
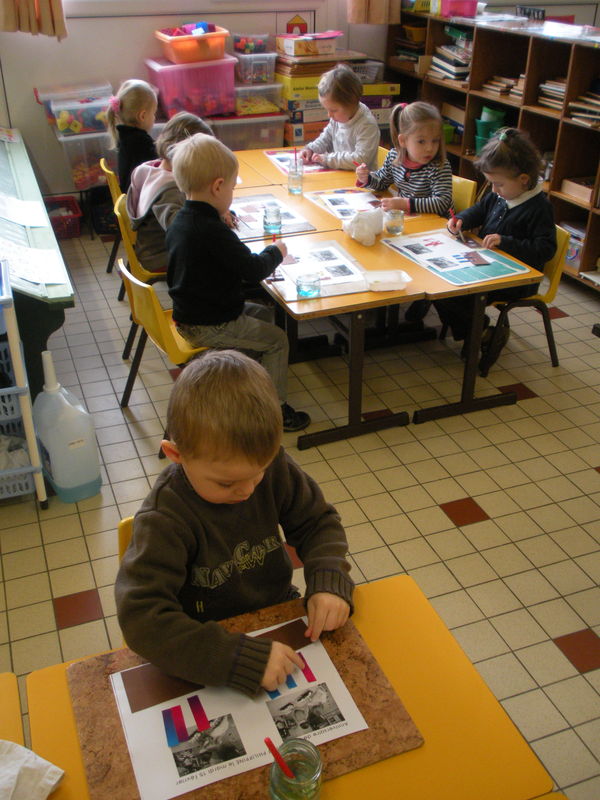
[451,61]
[516,91]
[586,109]
[552,93]
[499,84]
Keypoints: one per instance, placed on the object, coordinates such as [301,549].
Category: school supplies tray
[186,49]
[65,216]
[259,99]
[205,88]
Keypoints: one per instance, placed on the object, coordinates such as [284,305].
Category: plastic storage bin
[459,8]
[65,216]
[83,153]
[258,68]
[259,99]
[250,42]
[75,116]
[250,133]
[76,92]
[205,88]
[186,49]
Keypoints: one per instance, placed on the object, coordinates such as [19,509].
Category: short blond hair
[199,160]
[133,96]
[223,405]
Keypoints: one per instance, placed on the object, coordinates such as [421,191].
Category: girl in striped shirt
[418,166]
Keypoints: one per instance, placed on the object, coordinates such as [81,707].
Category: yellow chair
[125,531]
[115,191]
[156,323]
[129,237]
[463,193]
[552,272]
[381,156]
[11,726]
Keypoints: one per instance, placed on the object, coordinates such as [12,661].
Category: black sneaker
[417,310]
[492,347]
[294,420]
[484,337]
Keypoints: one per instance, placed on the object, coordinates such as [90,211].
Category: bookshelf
[542,52]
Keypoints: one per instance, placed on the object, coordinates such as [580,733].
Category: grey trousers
[253,331]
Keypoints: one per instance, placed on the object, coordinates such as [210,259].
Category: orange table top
[472,749]
[328,179]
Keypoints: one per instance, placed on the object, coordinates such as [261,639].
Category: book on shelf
[406,55]
[454,71]
[315,65]
[592,98]
[454,114]
[495,88]
[454,55]
[586,119]
[550,102]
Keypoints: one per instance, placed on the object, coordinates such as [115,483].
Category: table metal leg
[356,425]
[468,401]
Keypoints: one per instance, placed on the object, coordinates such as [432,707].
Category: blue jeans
[252,331]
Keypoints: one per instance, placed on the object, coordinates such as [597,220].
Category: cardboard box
[382,115]
[579,188]
[309,115]
[311,44]
[383,88]
[302,133]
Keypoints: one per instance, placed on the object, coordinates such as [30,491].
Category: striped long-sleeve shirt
[429,188]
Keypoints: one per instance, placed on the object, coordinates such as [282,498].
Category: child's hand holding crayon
[362,173]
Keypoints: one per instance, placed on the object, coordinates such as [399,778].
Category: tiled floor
[496,514]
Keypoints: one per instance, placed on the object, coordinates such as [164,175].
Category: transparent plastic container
[186,49]
[205,88]
[249,43]
[250,133]
[259,99]
[83,153]
[258,68]
[81,91]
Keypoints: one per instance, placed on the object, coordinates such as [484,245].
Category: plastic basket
[65,226]
[14,482]
[185,49]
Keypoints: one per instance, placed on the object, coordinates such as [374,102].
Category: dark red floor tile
[522,391]
[597,469]
[464,512]
[554,313]
[174,373]
[75,609]
[293,556]
[379,414]
[581,648]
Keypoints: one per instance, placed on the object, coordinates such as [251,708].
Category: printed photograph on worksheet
[249,217]
[181,736]
[459,263]
[344,203]
[282,158]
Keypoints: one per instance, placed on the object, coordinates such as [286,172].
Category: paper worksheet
[344,203]
[33,264]
[30,213]
[249,213]
[180,740]
[282,158]
[450,259]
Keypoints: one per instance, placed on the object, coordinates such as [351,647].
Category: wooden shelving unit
[510,51]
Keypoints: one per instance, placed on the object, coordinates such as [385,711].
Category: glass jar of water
[272,218]
[394,221]
[304,760]
[295,175]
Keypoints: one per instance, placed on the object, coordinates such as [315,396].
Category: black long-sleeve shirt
[527,229]
[208,264]
[135,147]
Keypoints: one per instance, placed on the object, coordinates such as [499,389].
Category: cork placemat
[106,759]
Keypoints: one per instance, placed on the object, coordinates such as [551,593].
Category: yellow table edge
[11,726]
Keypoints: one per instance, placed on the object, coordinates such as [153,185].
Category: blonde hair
[200,160]
[224,405]
[342,85]
[511,151]
[406,118]
[179,127]
[123,109]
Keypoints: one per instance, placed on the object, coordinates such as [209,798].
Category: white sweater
[346,142]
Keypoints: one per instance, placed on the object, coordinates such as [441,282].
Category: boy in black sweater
[208,265]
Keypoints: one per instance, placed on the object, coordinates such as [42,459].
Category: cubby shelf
[508,50]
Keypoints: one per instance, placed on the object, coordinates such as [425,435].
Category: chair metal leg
[543,309]
[135,364]
[444,330]
[121,294]
[130,341]
[113,253]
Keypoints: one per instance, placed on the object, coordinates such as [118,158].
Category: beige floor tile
[430,520]
[396,478]
[505,676]
[575,541]
[23,562]
[507,559]
[445,490]
[567,577]
[545,663]
[456,608]
[450,544]
[581,509]
[484,534]
[27,590]
[377,563]
[105,570]
[31,620]
[551,518]
[84,640]
[531,587]
[590,733]
[480,640]
[36,652]
[496,504]
[428,470]
[61,528]
[518,629]
[414,553]
[576,699]
[363,537]
[566,757]
[378,506]
[127,491]
[471,569]
[64,554]
[69,580]
[397,528]
[541,550]
[363,485]
[413,498]
[494,598]
[20,538]
[534,714]
[434,579]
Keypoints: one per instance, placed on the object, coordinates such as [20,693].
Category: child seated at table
[352,133]
[515,216]
[153,197]
[206,542]
[208,266]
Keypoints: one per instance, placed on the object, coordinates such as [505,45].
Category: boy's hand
[282,247]
[492,240]
[230,219]
[454,225]
[326,612]
[362,174]
[282,662]
[306,155]
[319,158]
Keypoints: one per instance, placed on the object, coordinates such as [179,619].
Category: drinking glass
[295,176]
[305,762]
[308,285]
[272,218]
[394,221]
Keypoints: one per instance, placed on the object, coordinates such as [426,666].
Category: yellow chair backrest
[129,237]
[381,156]
[125,533]
[553,268]
[111,180]
[463,193]
[158,323]
[11,725]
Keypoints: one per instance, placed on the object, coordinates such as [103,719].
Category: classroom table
[327,179]
[248,177]
[472,749]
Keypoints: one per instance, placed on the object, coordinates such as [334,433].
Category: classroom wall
[112,45]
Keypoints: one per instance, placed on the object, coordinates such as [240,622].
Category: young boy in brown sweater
[206,542]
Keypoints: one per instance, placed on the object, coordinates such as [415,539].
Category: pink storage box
[459,8]
[205,88]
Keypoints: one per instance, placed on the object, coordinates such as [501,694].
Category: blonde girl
[352,134]
[417,165]
[130,116]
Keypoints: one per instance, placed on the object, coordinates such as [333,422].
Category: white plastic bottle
[67,439]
